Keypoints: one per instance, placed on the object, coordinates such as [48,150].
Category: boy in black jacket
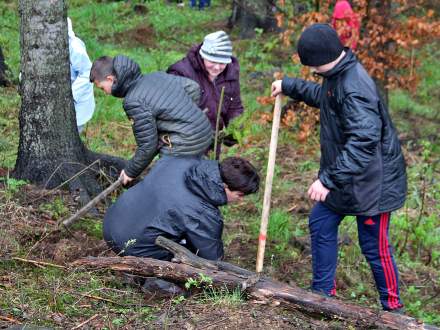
[178,199]
[362,169]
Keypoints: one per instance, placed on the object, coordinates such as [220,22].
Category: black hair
[240,175]
[101,68]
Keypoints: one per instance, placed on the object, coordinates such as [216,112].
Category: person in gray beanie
[362,169]
[212,66]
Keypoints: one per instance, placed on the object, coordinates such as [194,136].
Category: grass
[53,297]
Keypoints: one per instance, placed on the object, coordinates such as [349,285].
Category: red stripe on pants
[333,290]
[382,232]
[394,297]
[387,265]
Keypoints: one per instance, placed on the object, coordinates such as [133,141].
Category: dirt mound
[68,249]
[140,36]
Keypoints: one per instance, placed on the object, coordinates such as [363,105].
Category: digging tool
[268,186]
[217,123]
[69,221]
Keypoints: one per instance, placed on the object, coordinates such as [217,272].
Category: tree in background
[50,150]
[251,14]
[3,80]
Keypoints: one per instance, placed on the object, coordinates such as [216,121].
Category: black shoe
[400,310]
[162,288]
[322,293]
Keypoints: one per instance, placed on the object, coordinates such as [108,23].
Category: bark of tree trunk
[251,14]
[3,80]
[383,8]
[50,150]
[262,289]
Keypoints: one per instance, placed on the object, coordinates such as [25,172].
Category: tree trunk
[50,150]
[3,80]
[382,18]
[251,14]
[187,265]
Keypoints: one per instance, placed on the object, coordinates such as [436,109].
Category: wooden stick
[39,263]
[217,122]
[9,319]
[85,322]
[100,298]
[268,186]
[69,221]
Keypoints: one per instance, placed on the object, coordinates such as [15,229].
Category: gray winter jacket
[178,199]
[162,107]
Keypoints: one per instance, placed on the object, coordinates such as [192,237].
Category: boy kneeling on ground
[362,170]
[178,199]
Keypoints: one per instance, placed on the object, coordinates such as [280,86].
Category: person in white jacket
[82,89]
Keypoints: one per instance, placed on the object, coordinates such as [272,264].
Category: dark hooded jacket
[192,67]
[361,159]
[162,107]
[178,199]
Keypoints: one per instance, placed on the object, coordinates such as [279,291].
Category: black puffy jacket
[361,159]
[178,199]
[161,106]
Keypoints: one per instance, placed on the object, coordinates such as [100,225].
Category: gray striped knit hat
[217,47]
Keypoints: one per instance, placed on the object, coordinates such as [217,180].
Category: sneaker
[322,293]
[400,310]
[162,288]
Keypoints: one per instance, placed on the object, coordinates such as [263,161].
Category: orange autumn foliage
[390,36]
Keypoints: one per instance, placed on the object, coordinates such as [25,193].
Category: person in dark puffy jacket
[162,107]
[212,66]
[362,169]
[178,199]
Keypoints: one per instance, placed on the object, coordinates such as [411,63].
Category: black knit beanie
[319,44]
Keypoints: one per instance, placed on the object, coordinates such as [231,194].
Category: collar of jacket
[345,63]
[230,72]
[204,180]
[127,72]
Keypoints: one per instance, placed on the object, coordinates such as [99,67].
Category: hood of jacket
[70,32]
[127,72]
[204,180]
[348,61]
[342,10]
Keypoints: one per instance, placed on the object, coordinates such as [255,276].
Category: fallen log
[263,289]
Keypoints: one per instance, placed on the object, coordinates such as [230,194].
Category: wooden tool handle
[268,186]
[69,221]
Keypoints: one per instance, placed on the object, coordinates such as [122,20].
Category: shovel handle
[69,221]
[268,185]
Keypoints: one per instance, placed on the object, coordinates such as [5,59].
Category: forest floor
[157,36]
